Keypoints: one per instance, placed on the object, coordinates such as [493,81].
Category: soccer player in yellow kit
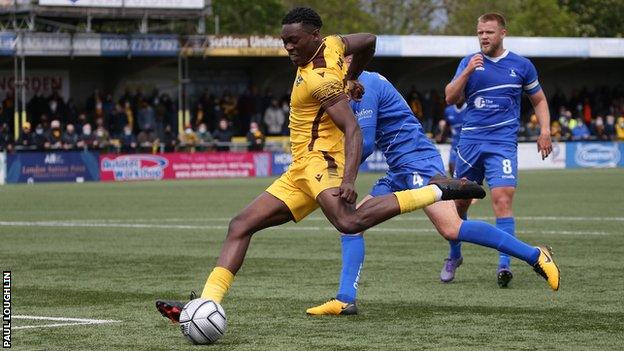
[326,148]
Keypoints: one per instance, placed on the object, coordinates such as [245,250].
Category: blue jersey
[455,118]
[397,132]
[493,95]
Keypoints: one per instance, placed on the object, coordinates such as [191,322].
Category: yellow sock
[414,199]
[217,285]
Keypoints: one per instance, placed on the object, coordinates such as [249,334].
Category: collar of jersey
[496,59]
[315,53]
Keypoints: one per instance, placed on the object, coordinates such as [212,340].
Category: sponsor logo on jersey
[363,114]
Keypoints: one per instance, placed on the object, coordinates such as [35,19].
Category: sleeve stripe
[531,85]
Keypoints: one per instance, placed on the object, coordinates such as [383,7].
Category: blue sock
[485,234]
[455,245]
[508,225]
[352,260]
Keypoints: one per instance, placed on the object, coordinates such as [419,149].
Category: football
[203,321]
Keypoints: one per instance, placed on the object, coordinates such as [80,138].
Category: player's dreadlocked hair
[304,15]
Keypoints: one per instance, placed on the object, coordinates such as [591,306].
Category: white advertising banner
[2,167]
[529,158]
[148,4]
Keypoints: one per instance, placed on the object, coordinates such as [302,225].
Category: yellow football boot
[547,268]
[333,307]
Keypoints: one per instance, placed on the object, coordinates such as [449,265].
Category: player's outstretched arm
[342,115]
[540,105]
[454,91]
[362,47]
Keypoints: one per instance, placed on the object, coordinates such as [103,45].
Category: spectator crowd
[139,122]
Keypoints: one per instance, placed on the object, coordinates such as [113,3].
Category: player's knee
[238,227]
[450,231]
[349,225]
[501,203]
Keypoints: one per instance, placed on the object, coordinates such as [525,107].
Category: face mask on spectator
[127,131]
[39,131]
[202,129]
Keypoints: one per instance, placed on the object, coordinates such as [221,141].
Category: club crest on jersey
[512,72]
[298,80]
[480,68]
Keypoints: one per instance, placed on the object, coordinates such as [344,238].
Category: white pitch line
[291,228]
[71,321]
[315,218]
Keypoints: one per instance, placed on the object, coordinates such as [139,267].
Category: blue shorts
[497,163]
[412,176]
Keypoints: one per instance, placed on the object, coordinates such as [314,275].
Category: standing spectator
[70,137]
[128,141]
[286,109]
[610,127]
[199,115]
[81,121]
[8,106]
[274,118]
[54,137]
[223,135]
[228,105]
[71,114]
[441,132]
[146,116]
[6,142]
[118,120]
[255,138]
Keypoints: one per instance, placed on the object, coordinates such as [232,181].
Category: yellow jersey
[317,83]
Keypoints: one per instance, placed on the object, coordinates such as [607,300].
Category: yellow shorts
[305,179]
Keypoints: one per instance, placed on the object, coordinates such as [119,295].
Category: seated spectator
[223,135]
[169,139]
[127,140]
[147,139]
[598,129]
[532,129]
[70,137]
[86,139]
[555,130]
[619,128]
[274,118]
[54,137]
[580,130]
[26,138]
[102,137]
[6,141]
[205,138]
[39,139]
[188,139]
[255,138]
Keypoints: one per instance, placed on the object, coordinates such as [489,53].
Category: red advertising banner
[201,165]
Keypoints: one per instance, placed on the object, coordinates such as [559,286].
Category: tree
[600,18]
[339,16]
[407,16]
[524,17]
[247,17]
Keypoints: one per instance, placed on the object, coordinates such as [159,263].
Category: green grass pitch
[107,251]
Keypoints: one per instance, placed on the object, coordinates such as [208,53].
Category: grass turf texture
[124,245]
